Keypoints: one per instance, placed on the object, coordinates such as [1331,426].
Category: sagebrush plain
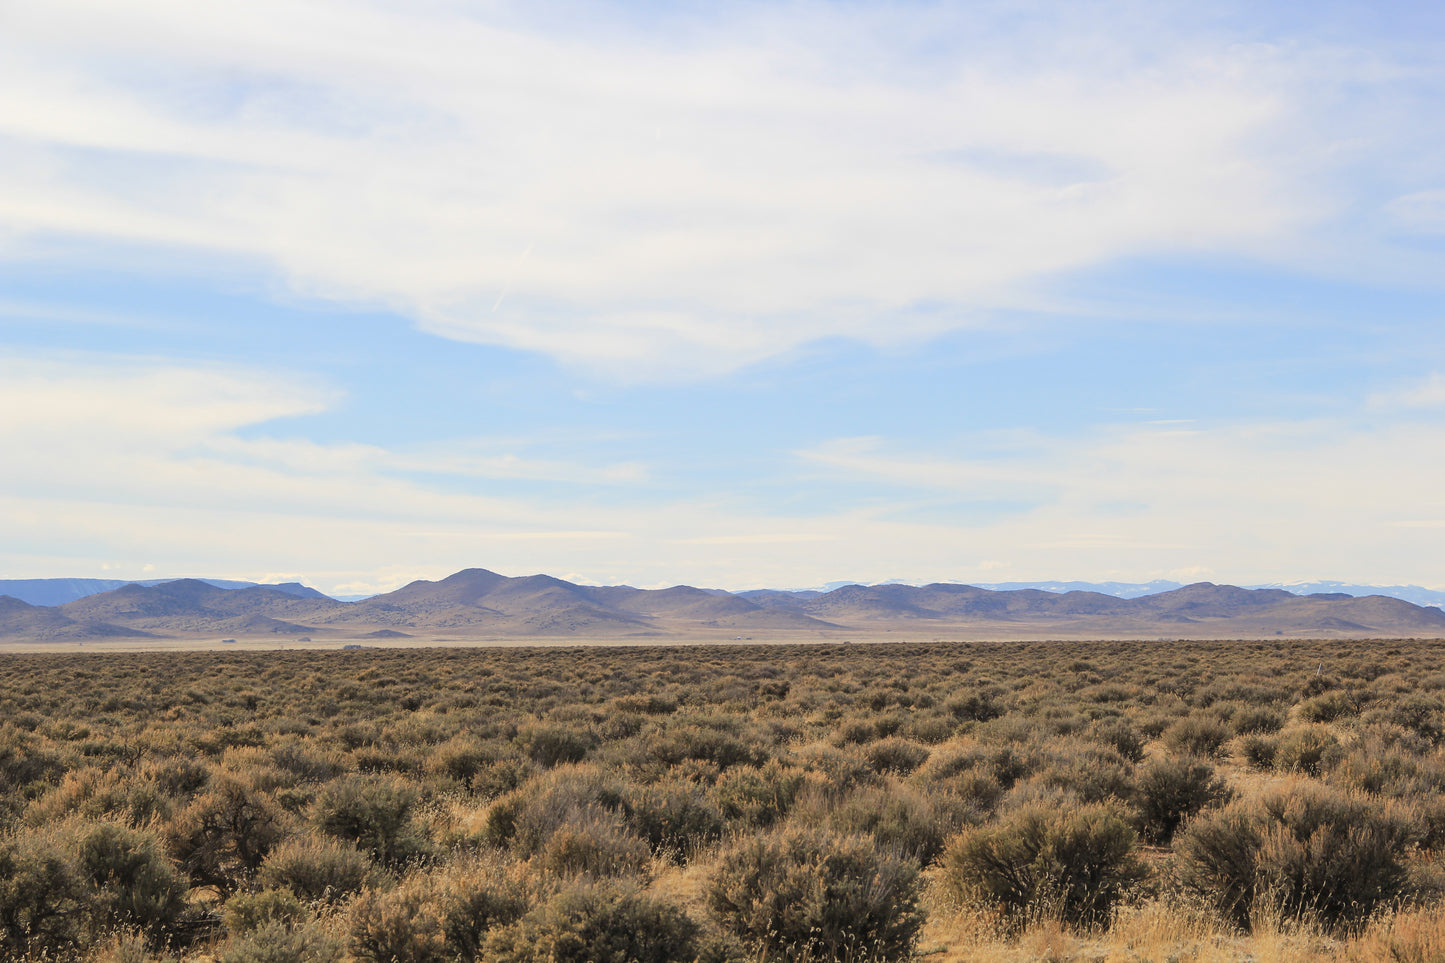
[960,801]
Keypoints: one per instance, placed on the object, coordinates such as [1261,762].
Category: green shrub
[804,894]
[698,742]
[1258,719]
[474,899]
[42,897]
[1259,750]
[894,755]
[26,766]
[1308,850]
[553,745]
[316,868]
[403,925]
[900,820]
[375,814]
[596,923]
[1169,791]
[1308,749]
[247,912]
[1092,774]
[598,843]
[975,707]
[1329,707]
[1200,734]
[132,881]
[277,942]
[675,820]
[1072,865]
[1120,736]
[1420,714]
[757,797]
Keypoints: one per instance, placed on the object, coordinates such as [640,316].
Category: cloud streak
[155,463]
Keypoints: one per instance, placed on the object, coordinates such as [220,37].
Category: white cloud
[1240,500]
[647,204]
[1422,212]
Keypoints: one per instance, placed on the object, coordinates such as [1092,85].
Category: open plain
[1218,800]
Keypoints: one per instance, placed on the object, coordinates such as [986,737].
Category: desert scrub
[1169,791]
[317,869]
[805,894]
[757,796]
[552,744]
[1199,734]
[221,838]
[589,922]
[1046,863]
[475,897]
[131,881]
[977,706]
[1119,735]
[596,842]
[401,925]
[1257,719]
[282,942]
[1305,850]
[899,819]
[43,906]
[896,756]
[676,820]
[375,814]
[1307,749]
[1330,706]
[247,912]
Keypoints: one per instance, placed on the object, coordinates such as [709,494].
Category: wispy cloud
[148,463]
[689,204]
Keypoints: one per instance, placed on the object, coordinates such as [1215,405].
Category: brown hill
[193,598]
[1202,608]
[494,604]
[542,605]
[47,624]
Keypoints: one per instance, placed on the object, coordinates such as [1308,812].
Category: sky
[725,294]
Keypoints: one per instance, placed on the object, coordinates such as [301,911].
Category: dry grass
[1154,932]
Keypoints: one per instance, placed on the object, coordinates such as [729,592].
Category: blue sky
[729,294]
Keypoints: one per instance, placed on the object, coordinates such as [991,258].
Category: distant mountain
[479,604]
[1123,590]
[1417,594]
[189,606]
[58,591]
[19,619]
[1410,593]
[1202,608]
[542,605]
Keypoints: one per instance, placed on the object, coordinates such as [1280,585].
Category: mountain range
[476,604]
[58,591]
